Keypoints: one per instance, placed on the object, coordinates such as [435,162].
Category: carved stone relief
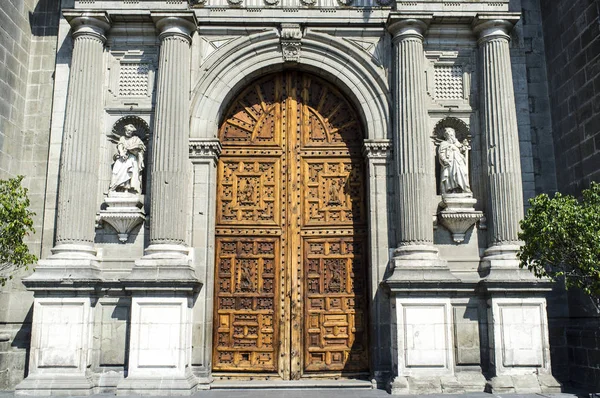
[131,78]
[449,78]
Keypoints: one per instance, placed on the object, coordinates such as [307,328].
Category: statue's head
[449,133]
[129,130]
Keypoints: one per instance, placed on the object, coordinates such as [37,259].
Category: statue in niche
[454,160]
[129,163]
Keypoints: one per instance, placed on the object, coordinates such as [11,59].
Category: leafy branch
[562,239]
[16,222]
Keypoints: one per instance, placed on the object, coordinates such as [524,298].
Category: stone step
[290,384]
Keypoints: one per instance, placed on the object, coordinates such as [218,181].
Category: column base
[55,384]
[68,263]
[168,266]
[524,384]
[419,263]
[501,264]
[165,385]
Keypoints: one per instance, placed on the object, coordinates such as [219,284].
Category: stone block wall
[28,31]
[572,44]
[15,40]
[572,37]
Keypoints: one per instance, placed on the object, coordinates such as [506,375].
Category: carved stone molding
[202,149]
[291,42]
[377,149]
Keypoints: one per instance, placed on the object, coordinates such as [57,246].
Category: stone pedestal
[428,345]
[519,345]
[60,347]
[160,345]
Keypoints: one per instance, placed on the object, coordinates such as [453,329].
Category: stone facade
[123,298]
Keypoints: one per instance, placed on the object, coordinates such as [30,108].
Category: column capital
[182,24]
[88,23]
[205,148]
[377,149]
[493,26]
[406,25]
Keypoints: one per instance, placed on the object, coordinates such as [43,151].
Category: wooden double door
[291,242]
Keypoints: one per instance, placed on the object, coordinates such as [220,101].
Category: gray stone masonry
[572,44]
[28,30]
[572,37]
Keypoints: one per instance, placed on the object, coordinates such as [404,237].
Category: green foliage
[562,239]
[15,223]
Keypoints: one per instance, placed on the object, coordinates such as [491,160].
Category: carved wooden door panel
[290,280]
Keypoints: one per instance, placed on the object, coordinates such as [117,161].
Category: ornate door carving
[290,281]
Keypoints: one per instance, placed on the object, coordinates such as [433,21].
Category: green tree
[562,239]
[15,223]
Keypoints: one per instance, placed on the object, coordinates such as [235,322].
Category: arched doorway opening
[291,293]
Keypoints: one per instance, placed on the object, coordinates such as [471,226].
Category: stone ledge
[55,384]
[158,385]
[524,384]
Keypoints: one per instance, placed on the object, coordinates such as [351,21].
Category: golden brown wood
[290,292]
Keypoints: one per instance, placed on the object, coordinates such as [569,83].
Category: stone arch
[241,61]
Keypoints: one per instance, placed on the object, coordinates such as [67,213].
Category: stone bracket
[458,214]
[123,213]
[291,41]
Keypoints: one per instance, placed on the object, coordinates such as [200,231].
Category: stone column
[171,134]
[74,256]
[415,168]
[501,141]
[79,162]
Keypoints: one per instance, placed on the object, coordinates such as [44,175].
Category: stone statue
[453,157]
[129,163]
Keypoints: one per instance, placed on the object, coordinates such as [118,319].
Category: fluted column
[79,162]
[171,136]
[501,141]
[414,160]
